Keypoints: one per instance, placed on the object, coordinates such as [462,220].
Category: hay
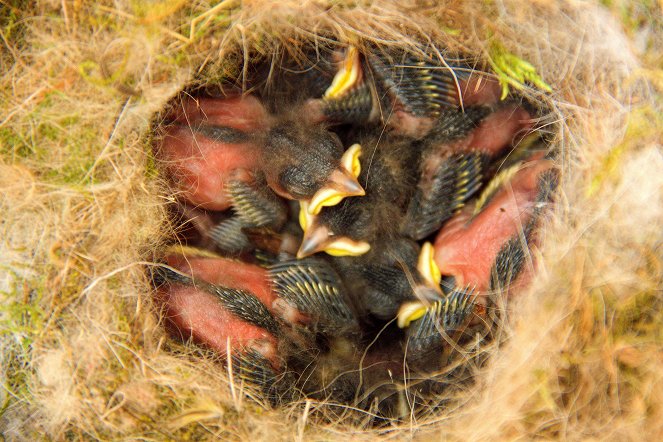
[83,355]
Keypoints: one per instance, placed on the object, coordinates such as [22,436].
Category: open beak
[428,268]
[342,182]
[318,238]
[314,241]
[340,185]
[430,272]
[410,311]
[346,77]
[319,241]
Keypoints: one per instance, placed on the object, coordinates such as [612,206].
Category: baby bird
[307,162]
[262,317]
[382,280]
[388,173]
[406,91]
[298,158]
[437,309]
[412,188]
[449,174]
[487,246]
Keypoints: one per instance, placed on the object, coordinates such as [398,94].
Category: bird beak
[410,311]
[428,268]
[314,241]
[348,76]
[318,238]
[430,272]
[342,182]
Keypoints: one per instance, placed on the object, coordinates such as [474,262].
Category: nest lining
[322,379]
[90,361]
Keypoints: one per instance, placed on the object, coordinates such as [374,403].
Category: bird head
[319,236]
[308,163]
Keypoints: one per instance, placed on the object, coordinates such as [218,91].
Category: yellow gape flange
[410,311]
[346,77]
[342,182]
[428,267]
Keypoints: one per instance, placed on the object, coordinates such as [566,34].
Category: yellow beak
[342,182]
[318,238]
[347,76]
[428,268]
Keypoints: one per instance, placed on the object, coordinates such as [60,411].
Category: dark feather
[442,317]
[313,287]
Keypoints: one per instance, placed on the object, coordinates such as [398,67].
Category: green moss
[151,163]
[636,15]
[15,145]
[513,71]
[22,321]
[57,145]
[13,25]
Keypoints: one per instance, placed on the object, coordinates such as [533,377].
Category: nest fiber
[84,210]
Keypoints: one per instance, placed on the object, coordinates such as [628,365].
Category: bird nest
[89,204]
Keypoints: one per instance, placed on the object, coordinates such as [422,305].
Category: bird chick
[456,158]
[206,143]
[406,91]
[383,279]
[307,162]
[436,310]
[351,227]
[486,245]
[263,317]
[211,138]
[412,188]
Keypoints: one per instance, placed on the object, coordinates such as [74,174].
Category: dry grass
[82,210]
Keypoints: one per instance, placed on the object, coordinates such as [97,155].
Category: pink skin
[245,113]
[196,313]
[200,166]
[228,273]
[496,131]
[402,122]
[466,248]
[479,90]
